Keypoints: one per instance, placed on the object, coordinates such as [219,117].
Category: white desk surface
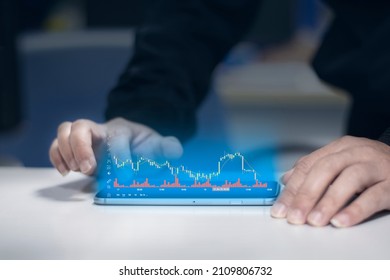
[46,216]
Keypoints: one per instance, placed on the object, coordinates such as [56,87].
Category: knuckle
[79,123]
[329,202]
[79,144]
[380,197]
[289,191]
[327,163]
[54,156]
[287,196]
[356,211]
[366,149]
[303,166]
[306,195]
[346,139]
[357,171]
[368,152]
[63,149]
[80,147]
[63,126]
[305,205]
[55,159]
[119,121]
[120,131]
[67,156]
[304,158]
[54,145]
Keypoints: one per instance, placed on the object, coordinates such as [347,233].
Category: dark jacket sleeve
[355,56]
[176,51]
[385,138]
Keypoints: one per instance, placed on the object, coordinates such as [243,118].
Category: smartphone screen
[232,178]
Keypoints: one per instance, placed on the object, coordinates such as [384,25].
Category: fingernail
[316,218]
[295,217]
[341,220]
[279,210]
[73,165]
[85,166]
[61,168]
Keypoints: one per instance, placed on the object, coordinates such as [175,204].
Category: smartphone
[147,182]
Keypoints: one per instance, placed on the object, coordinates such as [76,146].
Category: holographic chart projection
[232,176]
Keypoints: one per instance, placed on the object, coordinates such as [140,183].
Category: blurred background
[60,58]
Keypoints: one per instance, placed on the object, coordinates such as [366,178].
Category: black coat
[181,42]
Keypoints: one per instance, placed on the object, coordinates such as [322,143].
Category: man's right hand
[78,144]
